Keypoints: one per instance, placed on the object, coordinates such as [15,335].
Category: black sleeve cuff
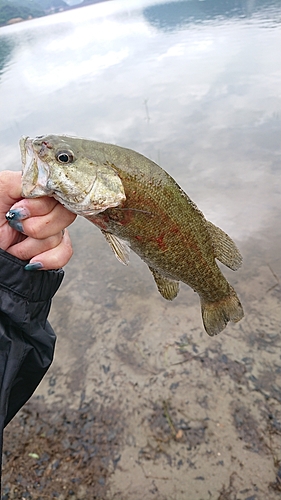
[19,287]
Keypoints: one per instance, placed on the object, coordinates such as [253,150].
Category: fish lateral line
[134,210]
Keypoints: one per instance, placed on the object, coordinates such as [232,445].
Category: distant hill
[27,9]
[20,10]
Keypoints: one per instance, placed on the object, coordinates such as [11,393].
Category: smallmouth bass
[137,205]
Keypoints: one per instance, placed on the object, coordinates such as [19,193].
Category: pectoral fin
[224,248]
[119,248]
[168,288]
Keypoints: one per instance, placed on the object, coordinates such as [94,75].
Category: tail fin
[216,315]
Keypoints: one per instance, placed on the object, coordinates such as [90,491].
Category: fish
[137,205]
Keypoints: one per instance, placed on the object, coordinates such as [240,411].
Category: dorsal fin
[167,287]
[224,247]
[119,247]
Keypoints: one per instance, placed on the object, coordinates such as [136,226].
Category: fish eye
[65,156]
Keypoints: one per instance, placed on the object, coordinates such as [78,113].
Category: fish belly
[178,253]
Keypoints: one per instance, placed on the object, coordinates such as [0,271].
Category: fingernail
[14,224]
[19,213]
[34,266]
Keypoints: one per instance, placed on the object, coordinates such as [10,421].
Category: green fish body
[137,205]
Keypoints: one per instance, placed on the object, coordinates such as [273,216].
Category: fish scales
[168,239]
[186,245]
[136,203]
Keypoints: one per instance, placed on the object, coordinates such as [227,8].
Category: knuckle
[22,253]
[36,229]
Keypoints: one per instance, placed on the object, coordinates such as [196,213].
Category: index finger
[34,207]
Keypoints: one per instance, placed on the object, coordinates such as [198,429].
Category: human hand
[36,230]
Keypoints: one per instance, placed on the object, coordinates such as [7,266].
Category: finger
[27,208]
[9,236]
[44,226]
[29,247]
[57,257]
[10,189]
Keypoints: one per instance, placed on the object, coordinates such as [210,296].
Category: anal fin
[167,287]
[119,248]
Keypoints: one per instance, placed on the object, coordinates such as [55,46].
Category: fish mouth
[35,172]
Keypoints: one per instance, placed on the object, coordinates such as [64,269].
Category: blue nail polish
[17,214]
[14,224]
[34,266]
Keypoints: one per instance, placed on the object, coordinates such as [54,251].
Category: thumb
[10,189]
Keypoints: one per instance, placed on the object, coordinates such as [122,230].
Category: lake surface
[195,86]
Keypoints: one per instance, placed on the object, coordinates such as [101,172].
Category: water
[197,92]
[195,86]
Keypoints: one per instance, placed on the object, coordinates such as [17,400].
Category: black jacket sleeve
[27,340]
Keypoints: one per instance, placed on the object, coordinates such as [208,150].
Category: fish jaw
[81,191]
[34,171]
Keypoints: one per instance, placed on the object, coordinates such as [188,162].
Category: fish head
[62,167]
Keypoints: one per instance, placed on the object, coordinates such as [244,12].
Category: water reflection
[171,16]
[6,49]
[200,98]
